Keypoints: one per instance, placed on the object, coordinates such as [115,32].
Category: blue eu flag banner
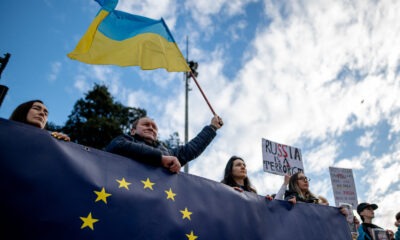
[52,189]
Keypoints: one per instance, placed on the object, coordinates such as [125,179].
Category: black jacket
[289,194]
[136,148]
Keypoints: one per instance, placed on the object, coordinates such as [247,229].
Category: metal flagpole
[187,78]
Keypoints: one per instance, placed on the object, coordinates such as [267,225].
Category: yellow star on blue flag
[186,213]
[191,236]
[88,221]
[170,195]
[102,195]
[123,183]
[148,184]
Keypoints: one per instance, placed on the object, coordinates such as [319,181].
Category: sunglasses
[305,179]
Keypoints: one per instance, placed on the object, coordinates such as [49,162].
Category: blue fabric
[120,26]
[108,5]
[47,186]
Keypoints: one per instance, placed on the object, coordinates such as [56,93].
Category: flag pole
[202,93]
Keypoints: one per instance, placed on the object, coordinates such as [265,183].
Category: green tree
[97,119]
[50,126]
[173,140]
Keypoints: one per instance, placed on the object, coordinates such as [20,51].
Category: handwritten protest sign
[344,189]
[281,159]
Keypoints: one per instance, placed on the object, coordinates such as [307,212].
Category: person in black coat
[142,144]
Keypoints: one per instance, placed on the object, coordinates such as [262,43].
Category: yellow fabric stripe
[86,41]
[149,51]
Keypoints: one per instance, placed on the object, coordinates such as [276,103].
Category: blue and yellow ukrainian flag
[123,39]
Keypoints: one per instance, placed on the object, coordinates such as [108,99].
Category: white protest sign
[281,159]
[344,188]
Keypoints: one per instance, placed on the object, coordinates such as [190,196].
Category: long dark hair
[228,178]
[294,187]
[20,113]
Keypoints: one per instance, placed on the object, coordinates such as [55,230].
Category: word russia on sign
[281,159]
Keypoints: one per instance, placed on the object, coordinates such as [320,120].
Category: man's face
[37,115]
[147,129]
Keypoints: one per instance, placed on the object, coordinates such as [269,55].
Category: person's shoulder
[117,140]
[123,136]
[367,228]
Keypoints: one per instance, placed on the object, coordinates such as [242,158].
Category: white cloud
[321,157]
[203,12]
[81,84]
[356,163]
[395,125]
[152,9]
[366,140]
[55,70]
[385,173]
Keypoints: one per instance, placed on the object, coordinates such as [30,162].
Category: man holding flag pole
[119,38]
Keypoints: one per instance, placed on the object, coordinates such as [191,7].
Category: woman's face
[239,169]
[37,115]
[302,182]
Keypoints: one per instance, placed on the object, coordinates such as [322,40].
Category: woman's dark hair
[294,187]
[398,216]
[228,178]
[20,113]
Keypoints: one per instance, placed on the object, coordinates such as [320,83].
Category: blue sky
[322,76]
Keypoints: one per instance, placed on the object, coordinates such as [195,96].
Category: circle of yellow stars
[102,195]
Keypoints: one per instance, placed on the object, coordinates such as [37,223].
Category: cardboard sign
[344,188]
[281,159]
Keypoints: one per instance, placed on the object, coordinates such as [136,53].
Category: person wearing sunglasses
[299,189]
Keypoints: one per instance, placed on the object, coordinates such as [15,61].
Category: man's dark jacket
[136,148]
